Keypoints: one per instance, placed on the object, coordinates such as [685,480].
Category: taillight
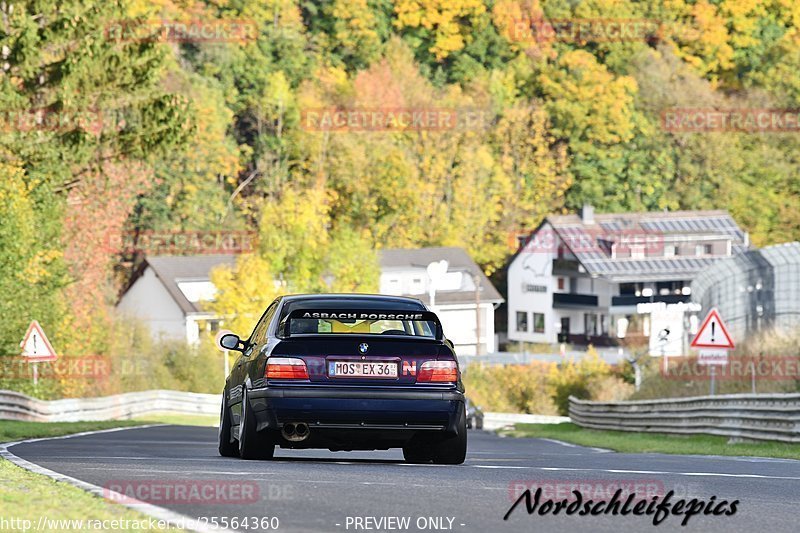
[286,368]
[438,371]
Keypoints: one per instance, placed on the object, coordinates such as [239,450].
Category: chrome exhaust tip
[295,432]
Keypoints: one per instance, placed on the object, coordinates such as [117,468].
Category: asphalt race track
[323,491]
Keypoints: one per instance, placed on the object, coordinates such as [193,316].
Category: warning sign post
[36,348]
[713,343]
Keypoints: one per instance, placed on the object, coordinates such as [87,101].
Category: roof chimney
[587,214]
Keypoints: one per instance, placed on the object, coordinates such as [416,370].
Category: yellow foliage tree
[243,292]
[299,251]
[443,19]
[586,101]
[536,165]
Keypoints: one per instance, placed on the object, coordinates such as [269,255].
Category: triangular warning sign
[713,333]
[35,345]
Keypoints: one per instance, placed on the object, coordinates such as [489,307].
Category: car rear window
[418,328]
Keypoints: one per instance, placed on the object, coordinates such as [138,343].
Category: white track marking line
[642,472]
[94,458]
[567,444]
[570,445]
[159,513]
[350,463]
[667,473]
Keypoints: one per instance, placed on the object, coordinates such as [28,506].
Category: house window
[561,284]
[703,249]
[522,321]
[417,287]
[670,250]
[538,322]
[627,289]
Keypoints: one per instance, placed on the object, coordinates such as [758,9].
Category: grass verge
[182,420]
[630,442]
[26,497]
[11,430]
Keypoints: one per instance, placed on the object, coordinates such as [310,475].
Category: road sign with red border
[713,333]
[35,345]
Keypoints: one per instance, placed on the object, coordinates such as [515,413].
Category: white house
[167,294]
[585,278]
[456,300]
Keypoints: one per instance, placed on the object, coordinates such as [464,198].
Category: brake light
[286,368]
[438,371]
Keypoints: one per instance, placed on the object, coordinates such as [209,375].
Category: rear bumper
[352,409]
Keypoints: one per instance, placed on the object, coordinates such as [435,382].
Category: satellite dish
[436,273]
[437,270]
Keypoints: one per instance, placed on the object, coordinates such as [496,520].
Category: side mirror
[230,341]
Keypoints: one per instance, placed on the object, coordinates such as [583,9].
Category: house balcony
[568,300]
[580,339]
[568,267]
[631,300]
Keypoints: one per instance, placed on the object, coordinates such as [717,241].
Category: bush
[543,388]
[512,388]
[686,378]
[133,361]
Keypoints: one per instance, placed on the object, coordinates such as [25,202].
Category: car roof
[350,301]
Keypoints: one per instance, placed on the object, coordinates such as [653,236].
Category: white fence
[16,406]
[769,417]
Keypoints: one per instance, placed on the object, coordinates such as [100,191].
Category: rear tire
[226,447]
[251,444]
[453,451]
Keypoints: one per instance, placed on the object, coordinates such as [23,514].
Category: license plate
[361,369]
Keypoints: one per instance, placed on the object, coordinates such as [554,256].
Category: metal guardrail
[16,406]
[768,417]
